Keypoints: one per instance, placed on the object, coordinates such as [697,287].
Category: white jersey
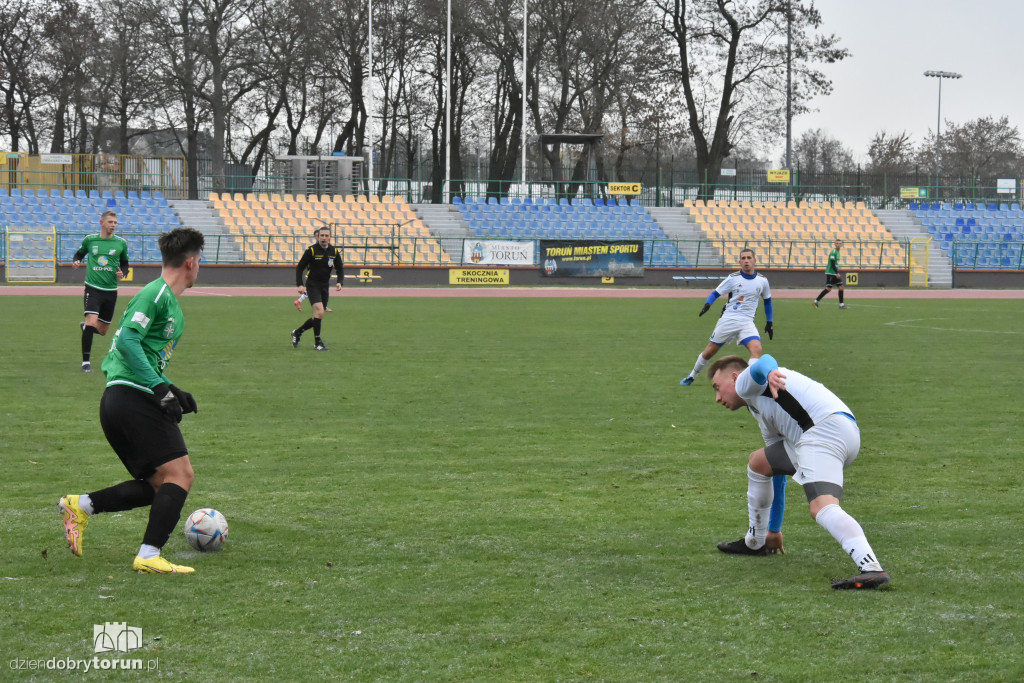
[747,292]
[801,405]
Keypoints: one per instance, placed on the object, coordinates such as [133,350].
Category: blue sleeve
[768,309]
[761,367]
[778,503]
[712,296]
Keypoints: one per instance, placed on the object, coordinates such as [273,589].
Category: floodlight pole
[789,98]
[369,82]
[448,110]
[522,169]
[938,124]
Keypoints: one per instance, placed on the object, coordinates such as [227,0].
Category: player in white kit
[809,433]
[745,288]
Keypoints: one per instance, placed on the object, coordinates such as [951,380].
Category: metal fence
[667,187]
[223,248]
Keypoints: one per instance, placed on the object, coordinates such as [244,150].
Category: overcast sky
[893,42]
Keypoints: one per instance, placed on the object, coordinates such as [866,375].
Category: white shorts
[825,450]
[734,330]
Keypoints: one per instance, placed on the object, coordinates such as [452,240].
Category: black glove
[705,309]
[168,401]
[188,403]
[768,328]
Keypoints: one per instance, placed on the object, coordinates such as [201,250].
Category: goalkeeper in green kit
[832,276]
[141,408]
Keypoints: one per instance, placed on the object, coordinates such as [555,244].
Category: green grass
[519,490]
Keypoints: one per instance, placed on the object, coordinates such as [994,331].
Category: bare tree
[20,27]
[891,152]
[67,48]
[732,67]
[124,64]
[185,73]
[293,75]
[985,146]
[227,45]
[497,26]
[818,152]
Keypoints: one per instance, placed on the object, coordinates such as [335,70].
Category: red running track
[534,292]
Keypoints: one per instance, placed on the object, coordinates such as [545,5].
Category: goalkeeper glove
[167,401]
[769,329]
[705,309]
[188,403]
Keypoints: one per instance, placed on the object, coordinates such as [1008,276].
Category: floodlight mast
[938,126]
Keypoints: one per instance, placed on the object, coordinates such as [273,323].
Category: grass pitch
[520,490]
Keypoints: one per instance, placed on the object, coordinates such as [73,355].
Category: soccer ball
[206,530]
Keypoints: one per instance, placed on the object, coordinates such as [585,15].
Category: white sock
[85,502]
[302,297]
[698,366]
[850,536]
[759,503]
[148,552]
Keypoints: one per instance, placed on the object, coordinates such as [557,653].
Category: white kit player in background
[745,288]
[809,433]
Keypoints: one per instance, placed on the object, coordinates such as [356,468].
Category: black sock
[306,325]
[316,326]
[87,333]
[822,295]
[127,495]
[164,514]
[840,296]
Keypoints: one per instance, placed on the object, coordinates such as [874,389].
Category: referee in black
[316,264]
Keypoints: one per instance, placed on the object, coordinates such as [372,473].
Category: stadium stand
[983,235]
[800,234]
[372,230]
[76,214]
[546,218]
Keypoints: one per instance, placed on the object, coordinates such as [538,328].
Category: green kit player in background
[141,408]
[106,262]
[832,276]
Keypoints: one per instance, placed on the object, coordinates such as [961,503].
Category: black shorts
[318,292]
[832,280]
[101,303]
[138,431]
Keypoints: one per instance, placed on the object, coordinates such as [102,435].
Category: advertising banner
[592,258]
[478,276]
[498,253]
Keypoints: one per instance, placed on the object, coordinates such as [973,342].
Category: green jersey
[105,256]
[146,338]
[833,263]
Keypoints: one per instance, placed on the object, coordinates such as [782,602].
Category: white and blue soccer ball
[206,530]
